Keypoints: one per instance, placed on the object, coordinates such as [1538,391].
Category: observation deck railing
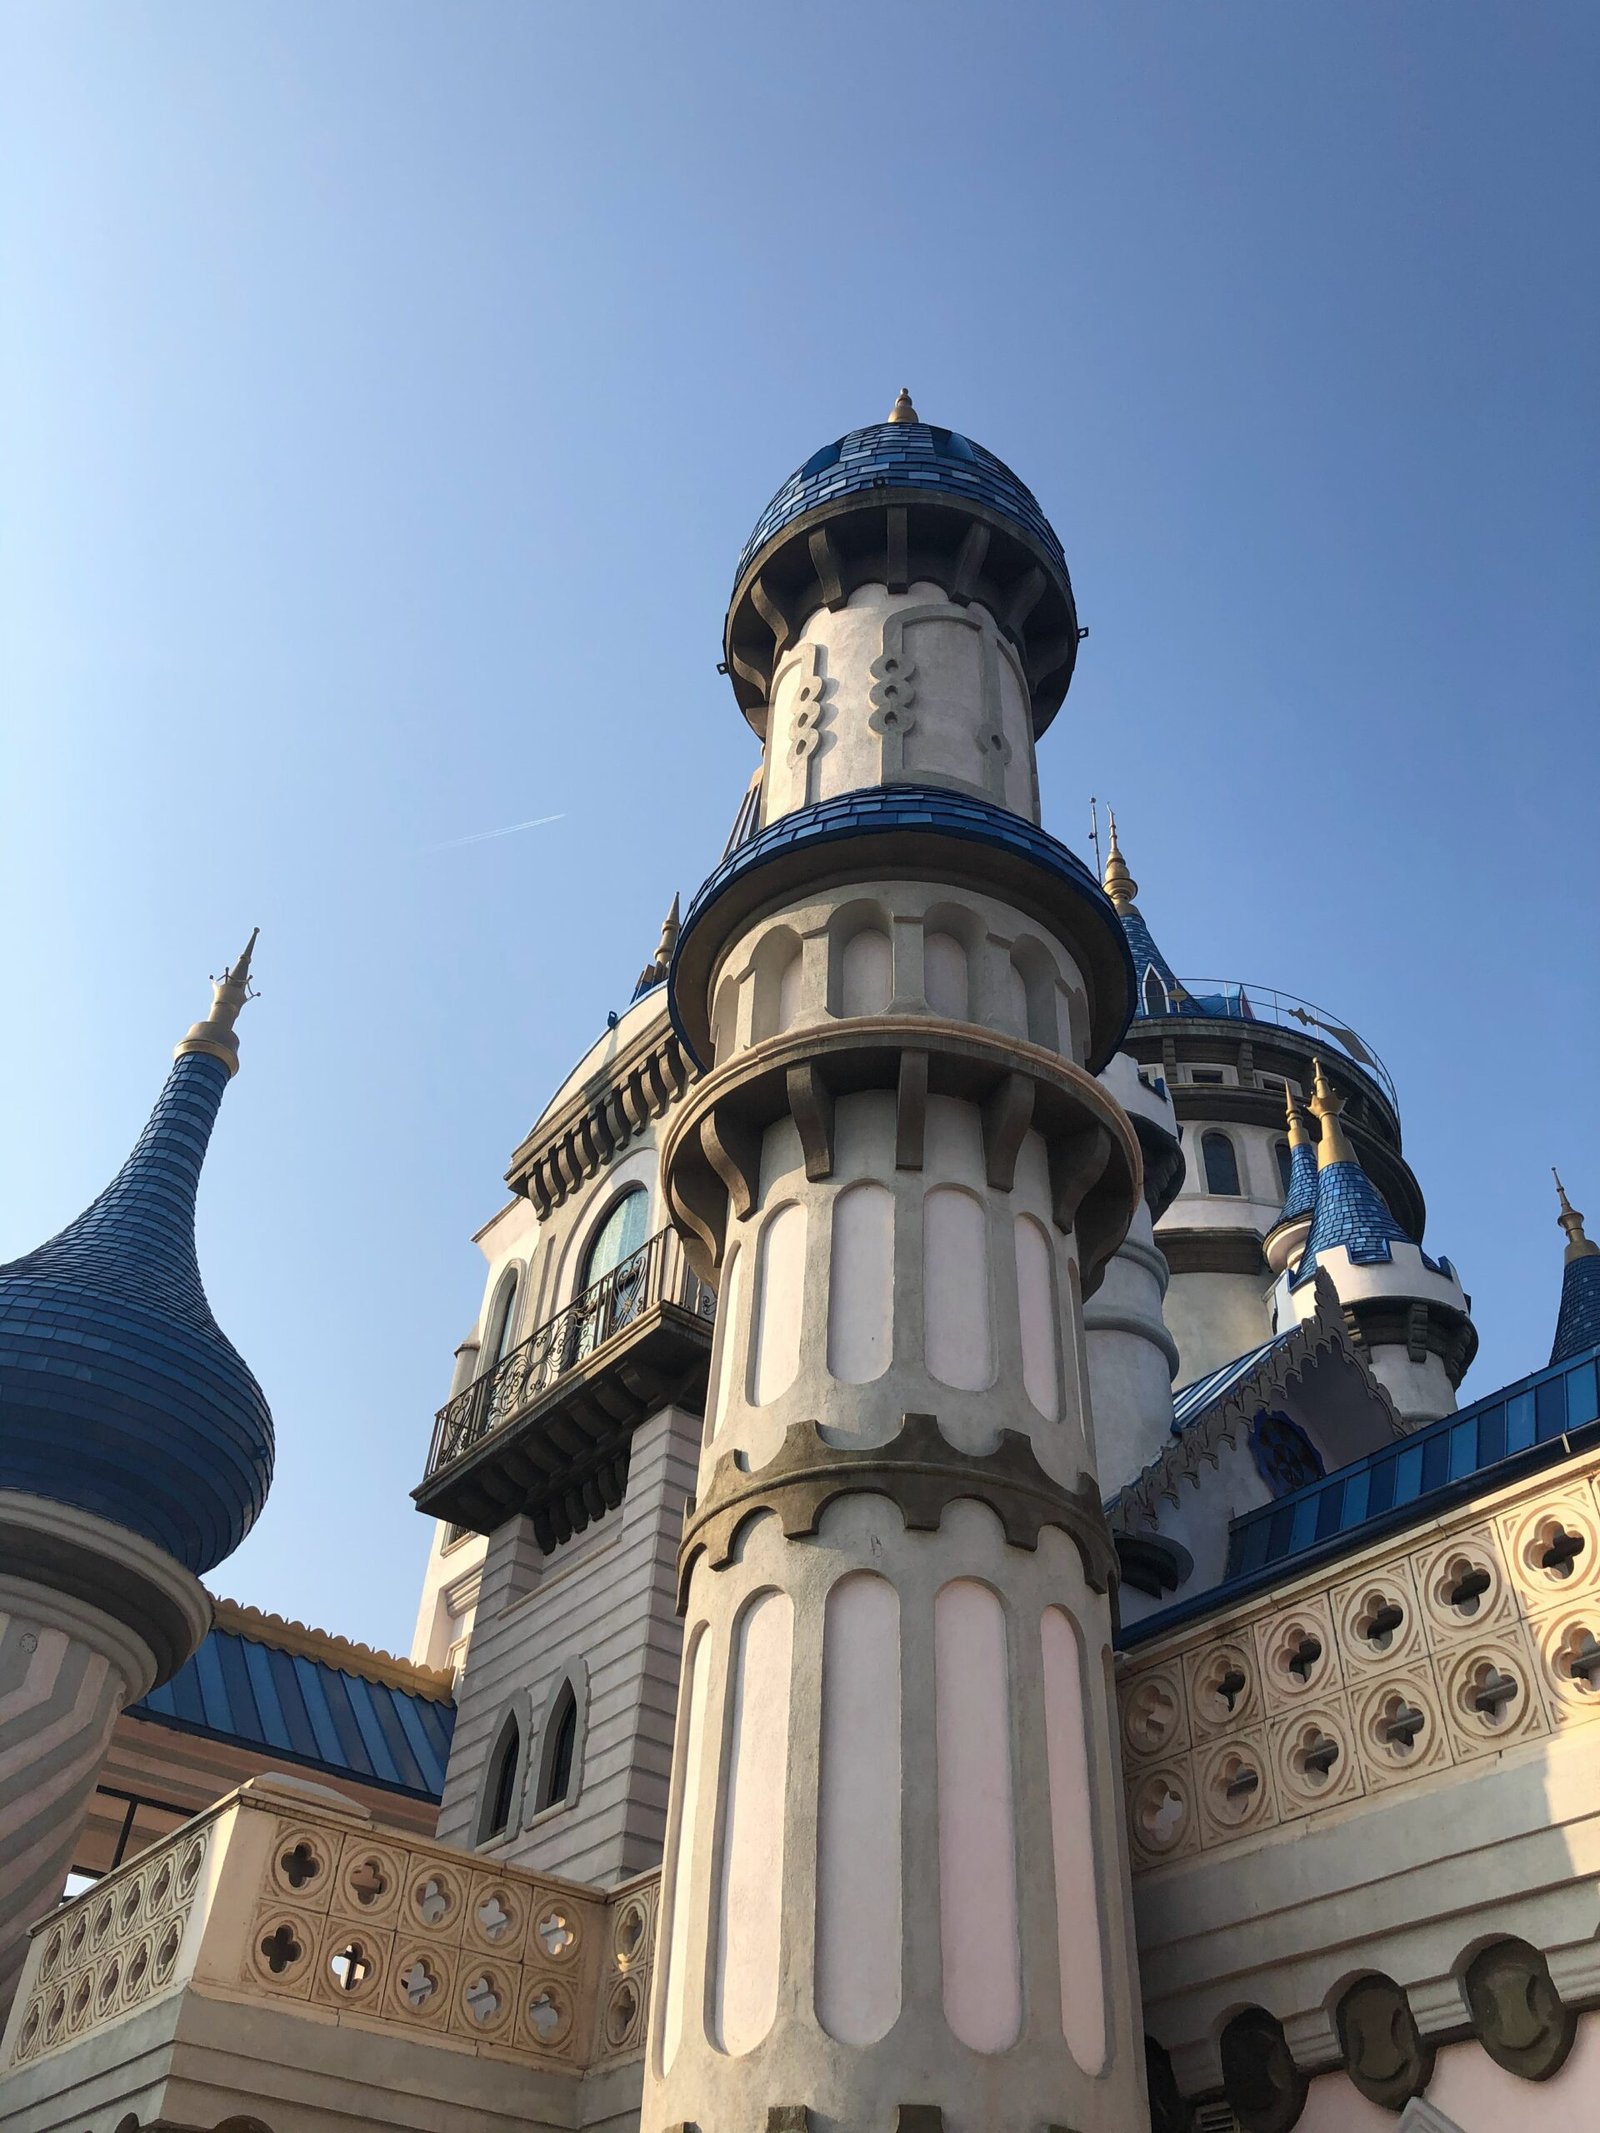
[656,1274]
[1233,1000]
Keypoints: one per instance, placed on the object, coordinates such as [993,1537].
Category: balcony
[1231,1000]
[546,1432]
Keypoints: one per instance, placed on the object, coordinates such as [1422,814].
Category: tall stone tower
[895,1884]
[135,1453]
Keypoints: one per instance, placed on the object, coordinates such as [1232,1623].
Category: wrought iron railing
[656,1273]
[1231,1000]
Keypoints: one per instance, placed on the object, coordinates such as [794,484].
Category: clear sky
[386,391]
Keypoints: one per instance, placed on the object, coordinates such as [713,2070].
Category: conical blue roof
[1301,1196]
[119,1393]
[1349,1211]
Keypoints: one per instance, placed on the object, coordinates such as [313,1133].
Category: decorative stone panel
[1475,1637]
[400,1936]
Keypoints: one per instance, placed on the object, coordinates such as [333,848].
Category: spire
[1118,883]
[120,1392]
[903,411]
[1299,1126]
[229,993]
[655,971]
[1571,1220]
[1328,1106]
[1286,1239]
[1578,1319]
[1349,1210]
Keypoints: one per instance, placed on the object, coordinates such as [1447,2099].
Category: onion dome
[895,503]
[1350,1213]
[1286,1238]
[119,1393]
[1578,1320]
[1157,990]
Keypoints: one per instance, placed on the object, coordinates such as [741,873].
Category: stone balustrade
[1438,1647]
[284,1893]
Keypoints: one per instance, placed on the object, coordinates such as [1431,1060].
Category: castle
[852,1688]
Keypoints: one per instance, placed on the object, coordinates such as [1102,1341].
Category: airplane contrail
[483,836]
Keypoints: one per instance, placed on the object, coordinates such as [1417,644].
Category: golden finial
[903,411]
[1327,1105]
[669,934]
[1118,883]
[1578,1245]
[655,971]
[1299,1125]
[229,993]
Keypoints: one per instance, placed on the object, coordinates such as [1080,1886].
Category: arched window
[618,1237]
[1221,1164]
[1285,1157]
[560,1749]
[1155,993]
[500,1792]
[502,1321]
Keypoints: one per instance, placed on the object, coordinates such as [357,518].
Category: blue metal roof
[1352,1213]
[304,1711]
[1525,1425]
[1146,957]
[1578,1320]
[1301,1196]
[904,455]
[1190,1402]
[119,1392]
[877,810]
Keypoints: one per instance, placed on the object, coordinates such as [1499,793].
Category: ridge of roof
[345,1654]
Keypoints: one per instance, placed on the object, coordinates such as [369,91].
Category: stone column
[895,1872]
[91,1617]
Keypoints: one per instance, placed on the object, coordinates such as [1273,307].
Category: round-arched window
[1221,1164]
[618,1237]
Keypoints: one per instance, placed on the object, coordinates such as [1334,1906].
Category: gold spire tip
[1299,1125]
[1327,1105]
[1117,882]
[903,411]
[1571,1220]
[229,993]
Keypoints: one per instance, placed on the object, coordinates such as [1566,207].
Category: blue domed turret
[899,503]
[119,1393]
[904,453]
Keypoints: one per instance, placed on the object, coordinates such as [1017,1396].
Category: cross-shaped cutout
[556,1934]
[418,1984]
[1491,1692]
[300,1866]
[483,2002]
[368,1882]
[433,1905]
[281,1949]
[494,1920]
[1401,1723]
[544,2016]
[350,1967]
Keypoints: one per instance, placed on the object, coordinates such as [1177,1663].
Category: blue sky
[386,391]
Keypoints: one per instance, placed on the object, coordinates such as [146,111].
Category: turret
[1578,1320]
[1286,1239]
[895,1879]
[135,1453]
[1409,1309]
